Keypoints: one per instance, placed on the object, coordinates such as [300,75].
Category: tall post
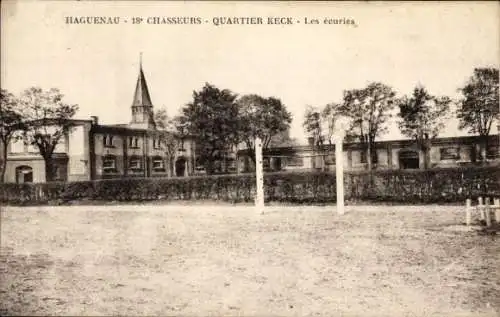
[259,173]
[339,170]
[480,207]
[468,210]
[496,203]
[487,211]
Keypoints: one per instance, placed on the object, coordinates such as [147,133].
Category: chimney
[95,120]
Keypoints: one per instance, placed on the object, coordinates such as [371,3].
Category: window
[59,173]
[135,163]
[295,161]
[449,153]
[373,154]
[266,162]
[133,142]
[107,140]
[17,146]
[181,145]
[231,165]
[31,148]
[492,152]
[156,143]
[24,174]
[158,164]
[109,164]
[362,157]
[330,159]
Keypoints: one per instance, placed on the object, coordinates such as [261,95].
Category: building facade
[92,151]
[397,154]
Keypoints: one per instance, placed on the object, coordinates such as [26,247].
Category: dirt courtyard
[231,261]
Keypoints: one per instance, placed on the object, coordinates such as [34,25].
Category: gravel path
[229,260]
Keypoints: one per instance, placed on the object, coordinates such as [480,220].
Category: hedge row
[438,185]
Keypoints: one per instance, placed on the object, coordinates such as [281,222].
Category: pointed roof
[141,95]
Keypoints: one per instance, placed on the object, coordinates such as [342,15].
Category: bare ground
[230,260]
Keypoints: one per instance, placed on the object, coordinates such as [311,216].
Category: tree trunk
[369,156]
[170,167]
[49,169]
[252,155]
[483,146]
[423,154]
[224,163]
[426,158]
[4,162]
[209,167]
[321,152]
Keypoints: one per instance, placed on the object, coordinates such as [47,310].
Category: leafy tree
[48,120]
[161,118]
[10,125]
[165,122]
[313,127]
[331,114]
[212,119]
[283,139]
[261,117]
[170,145]
[422,117]
[480,106]
[369,109]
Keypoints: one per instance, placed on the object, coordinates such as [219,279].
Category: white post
[339,170]
[496,203]
[487,211]
[468,210]
[480,207]
[259,173]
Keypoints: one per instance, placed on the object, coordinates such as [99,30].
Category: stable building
[388,155]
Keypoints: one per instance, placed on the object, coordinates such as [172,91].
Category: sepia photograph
[249,158]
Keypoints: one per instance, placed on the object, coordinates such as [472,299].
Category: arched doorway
[180,166]
[408,159]
[24,174]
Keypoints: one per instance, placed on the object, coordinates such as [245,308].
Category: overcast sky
[96,66]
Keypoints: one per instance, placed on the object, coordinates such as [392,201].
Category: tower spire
[142,107]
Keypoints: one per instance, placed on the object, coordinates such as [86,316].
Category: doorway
[24,174]
[180,166]
[408,159]
[276,164]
